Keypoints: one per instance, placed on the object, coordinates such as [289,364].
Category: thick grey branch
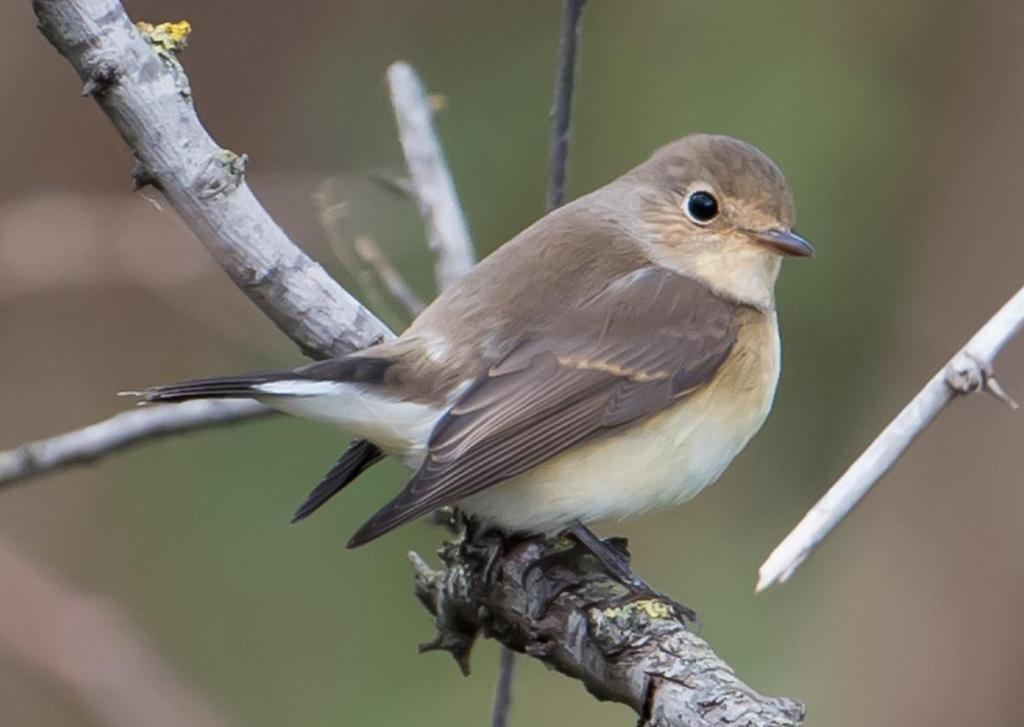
[447,232]
[969,370]
[98,440]
[556,605]
[144,91]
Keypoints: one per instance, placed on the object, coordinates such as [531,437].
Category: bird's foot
[614,556]
[483,544]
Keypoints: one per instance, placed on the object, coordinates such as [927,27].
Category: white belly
[662,461]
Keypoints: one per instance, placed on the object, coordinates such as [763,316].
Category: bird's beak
[784,242]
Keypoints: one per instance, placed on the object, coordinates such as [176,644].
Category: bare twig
[447,232]
[374,258]
[334,218]
[558,606]
[560,112]
[98,440]
[971,369]
[90,647]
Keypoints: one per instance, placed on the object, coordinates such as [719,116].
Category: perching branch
[971,369]
[634,653]
[432,185]
[547,600]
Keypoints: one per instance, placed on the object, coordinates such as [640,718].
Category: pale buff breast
[664,460]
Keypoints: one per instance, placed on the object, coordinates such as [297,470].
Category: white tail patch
[298,387]
[396,426]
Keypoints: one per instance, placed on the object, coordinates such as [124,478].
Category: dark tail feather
[359,456]
[357,368]
[225,387]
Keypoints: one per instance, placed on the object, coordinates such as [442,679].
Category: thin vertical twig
[565,82]
[561,114]
[503,690]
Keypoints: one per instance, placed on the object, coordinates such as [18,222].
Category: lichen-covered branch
[543,598]
[136,79]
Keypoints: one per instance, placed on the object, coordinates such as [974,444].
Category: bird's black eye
[702,207]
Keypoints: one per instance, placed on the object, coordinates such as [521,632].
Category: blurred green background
[900,129]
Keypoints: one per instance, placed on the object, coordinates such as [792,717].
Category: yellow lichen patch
[166,37]
[650,607]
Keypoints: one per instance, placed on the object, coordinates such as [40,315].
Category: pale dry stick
[91,647]
[375,259]
[333,214]
[447,232]
[122,430]
[969,370]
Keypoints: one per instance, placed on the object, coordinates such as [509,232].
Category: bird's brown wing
[648,339]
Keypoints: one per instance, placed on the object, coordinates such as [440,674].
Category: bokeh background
[900,128]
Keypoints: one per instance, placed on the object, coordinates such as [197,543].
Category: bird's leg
[483,542]
[612,554]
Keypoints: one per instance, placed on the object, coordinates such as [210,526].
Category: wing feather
[647,340]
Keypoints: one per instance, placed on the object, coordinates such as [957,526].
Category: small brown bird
[614,356]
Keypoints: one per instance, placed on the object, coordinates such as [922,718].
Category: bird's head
[719,209]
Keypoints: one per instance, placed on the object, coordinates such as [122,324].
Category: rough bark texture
[544,598]
[144,91]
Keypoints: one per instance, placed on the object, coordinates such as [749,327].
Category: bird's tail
[313,379]
[245,386]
